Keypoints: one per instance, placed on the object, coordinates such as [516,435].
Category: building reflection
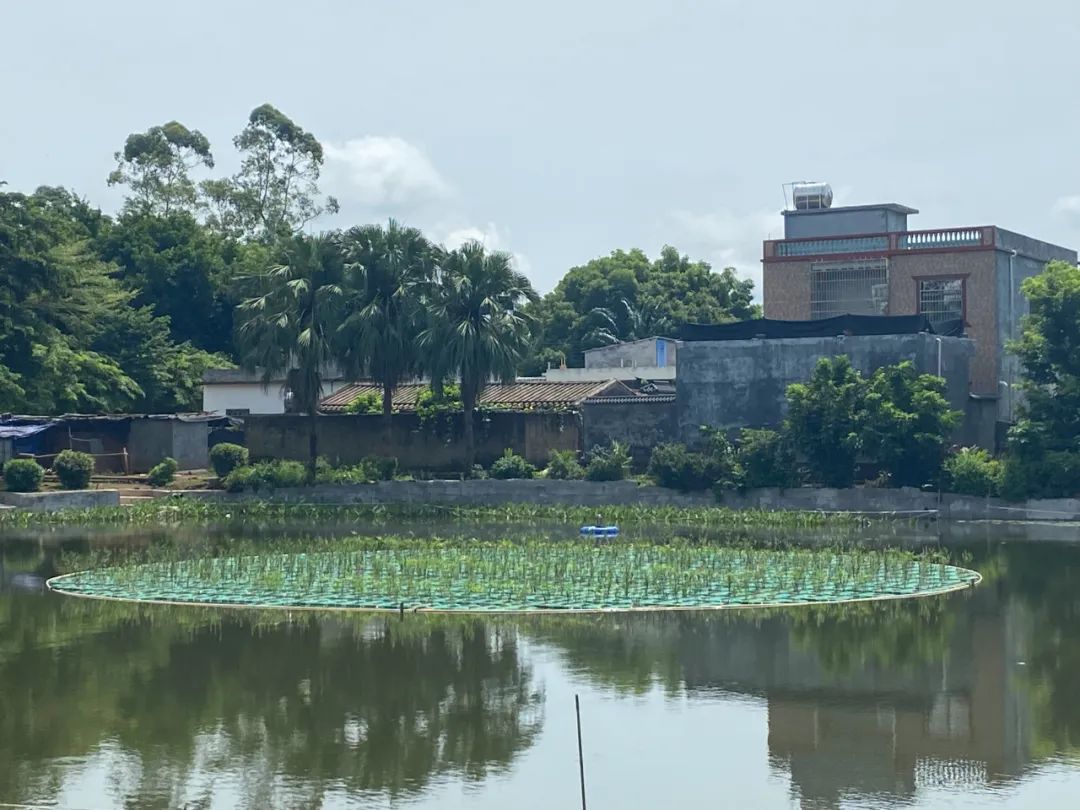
[863,701]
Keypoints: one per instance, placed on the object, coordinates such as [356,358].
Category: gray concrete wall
[65,499]
[841,222]
[149,441]
[190,442]
[635,353]
[437,445]
[903,502]
[639,425]
[743,383]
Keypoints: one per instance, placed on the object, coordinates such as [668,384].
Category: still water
[969,700]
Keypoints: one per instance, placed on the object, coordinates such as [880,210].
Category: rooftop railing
[869,244]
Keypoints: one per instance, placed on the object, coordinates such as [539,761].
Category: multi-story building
[863,259]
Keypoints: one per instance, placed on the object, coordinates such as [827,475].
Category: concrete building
[652,358]
[864,260]
[729,381]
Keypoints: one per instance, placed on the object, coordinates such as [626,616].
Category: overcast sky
[562,130]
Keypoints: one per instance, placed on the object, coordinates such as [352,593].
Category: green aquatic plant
[472,574]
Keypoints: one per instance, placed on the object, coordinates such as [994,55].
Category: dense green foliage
[675,467]
[765,458]
[23,475]
[511,466]
[625,296]
[610,463]
[825,417]
[162,474]
[266,475]
[908,422]
[1044,445]
[898,420]
[563,465]
[226,457]
[972,471]
[73,469]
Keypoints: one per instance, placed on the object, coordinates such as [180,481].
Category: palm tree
[291,324]
[478,328]
[389,272]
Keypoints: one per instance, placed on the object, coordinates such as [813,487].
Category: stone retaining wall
[618,493]
[65,499]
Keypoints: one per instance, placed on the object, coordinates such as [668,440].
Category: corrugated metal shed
[522,394]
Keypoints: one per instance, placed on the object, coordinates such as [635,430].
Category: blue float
[600,531]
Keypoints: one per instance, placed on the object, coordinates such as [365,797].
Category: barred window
[941,299]
[855,287]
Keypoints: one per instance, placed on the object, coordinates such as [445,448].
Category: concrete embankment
[904,501]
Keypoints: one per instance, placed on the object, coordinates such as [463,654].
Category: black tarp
[824,327]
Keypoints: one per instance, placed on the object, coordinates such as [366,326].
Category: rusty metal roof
[523,394]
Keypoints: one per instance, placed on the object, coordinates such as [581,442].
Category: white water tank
[811,196]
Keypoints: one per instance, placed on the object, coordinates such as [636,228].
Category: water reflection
[292,708]
[869,703]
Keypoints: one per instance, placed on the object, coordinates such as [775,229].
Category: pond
[962,700]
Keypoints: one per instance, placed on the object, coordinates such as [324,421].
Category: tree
[479,330]
[908,423]
[389,273]
[1049,348]
[825,416]
[625,296]
[180,269]
[276,191]
[54,296]
[156,164]
[291,325]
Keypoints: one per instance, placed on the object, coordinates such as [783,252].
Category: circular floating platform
[531,577]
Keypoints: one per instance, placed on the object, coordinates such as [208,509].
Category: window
[237,411]
[855,287]
[941,299]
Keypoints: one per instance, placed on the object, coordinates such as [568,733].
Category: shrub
[907,424]
[369,403]
[226,457]
[511,466]
[766,459]
[608,463]
[675,467]
[74,469]
[23,475]
[477,473]
[267,475]
[973,471]
[825,418]
[380,468]
[563,466]
[163,473]
[1056,474]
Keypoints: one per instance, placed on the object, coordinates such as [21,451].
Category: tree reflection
[296,705]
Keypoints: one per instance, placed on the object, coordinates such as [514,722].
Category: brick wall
[977,269]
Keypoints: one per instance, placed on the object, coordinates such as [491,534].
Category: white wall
[602,374]
[219,397]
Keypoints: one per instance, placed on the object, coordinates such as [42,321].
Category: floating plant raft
[481,576]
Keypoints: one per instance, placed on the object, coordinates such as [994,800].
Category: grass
[539,573]
[180,511]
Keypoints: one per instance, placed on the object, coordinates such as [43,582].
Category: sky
[560,131]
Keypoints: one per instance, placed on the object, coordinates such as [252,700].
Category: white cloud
[380,171]
[727,239]
[489,236]
[1068,208]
